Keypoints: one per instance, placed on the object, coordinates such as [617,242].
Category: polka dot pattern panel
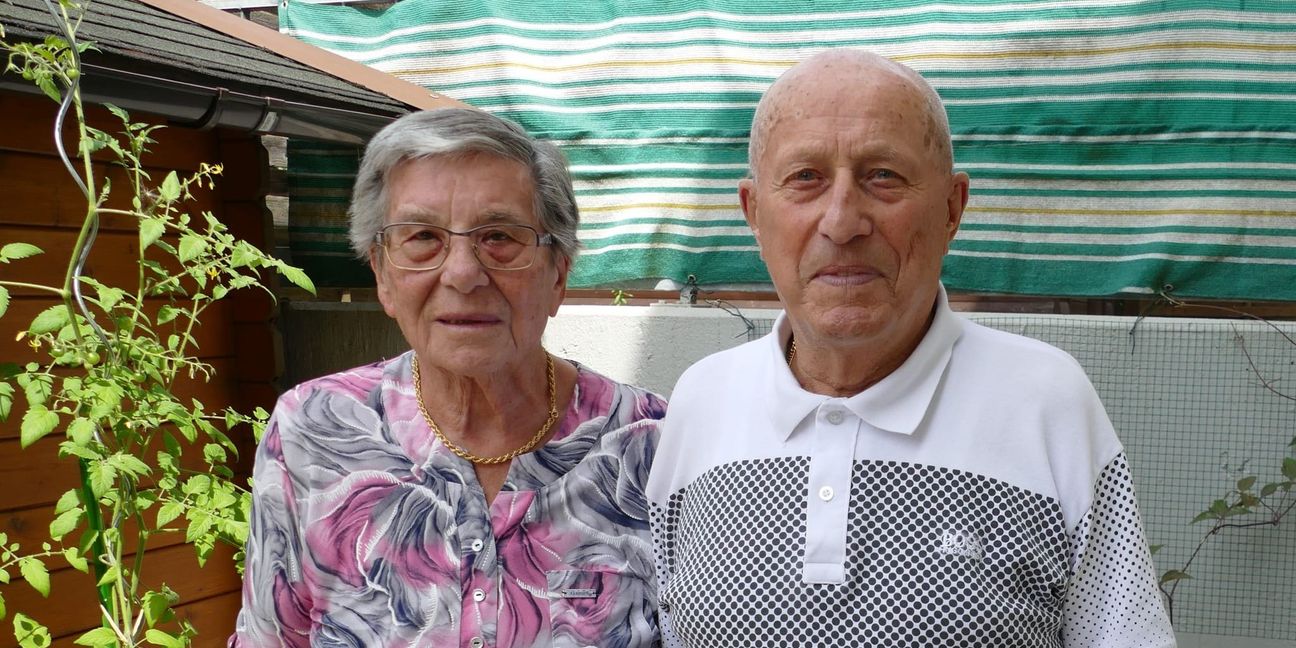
[935,557]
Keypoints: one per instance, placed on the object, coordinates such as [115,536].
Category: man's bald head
[839,67]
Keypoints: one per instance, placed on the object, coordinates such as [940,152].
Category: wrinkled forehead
[880,102]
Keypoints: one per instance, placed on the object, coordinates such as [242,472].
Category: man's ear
[956,203]
[747,200]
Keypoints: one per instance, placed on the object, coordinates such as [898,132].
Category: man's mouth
[847,275]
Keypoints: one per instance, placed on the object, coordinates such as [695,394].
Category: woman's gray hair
[457,132]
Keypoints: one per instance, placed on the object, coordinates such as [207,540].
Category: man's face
[853,208]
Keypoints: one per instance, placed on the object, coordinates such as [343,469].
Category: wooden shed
[219,83]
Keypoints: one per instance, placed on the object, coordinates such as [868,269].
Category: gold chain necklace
[498,459]
[791,352]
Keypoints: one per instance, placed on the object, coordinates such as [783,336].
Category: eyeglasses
[501,246]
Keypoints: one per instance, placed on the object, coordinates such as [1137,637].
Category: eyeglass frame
[542,240]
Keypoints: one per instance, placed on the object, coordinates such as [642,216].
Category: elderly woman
[474,491]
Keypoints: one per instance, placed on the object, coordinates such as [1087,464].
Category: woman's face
[462,317]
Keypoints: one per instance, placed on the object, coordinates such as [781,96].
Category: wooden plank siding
[39,204]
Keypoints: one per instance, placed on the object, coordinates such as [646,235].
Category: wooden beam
[320,59]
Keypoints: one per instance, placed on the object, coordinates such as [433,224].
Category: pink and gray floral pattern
[368,532]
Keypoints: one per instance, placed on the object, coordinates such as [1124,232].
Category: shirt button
[836,417]
[476,642]
[826,493]
[479,595]
[477,545]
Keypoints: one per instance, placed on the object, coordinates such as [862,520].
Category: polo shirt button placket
[832,459]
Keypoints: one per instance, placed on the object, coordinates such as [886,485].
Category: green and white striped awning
[1115,146]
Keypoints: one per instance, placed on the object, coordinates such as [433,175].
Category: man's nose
[461,270]
[845,213]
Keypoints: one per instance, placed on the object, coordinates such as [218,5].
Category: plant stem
[94,519]
[32,286]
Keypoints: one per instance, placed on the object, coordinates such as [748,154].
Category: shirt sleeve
[663,523]
[276,608]
[1113,600]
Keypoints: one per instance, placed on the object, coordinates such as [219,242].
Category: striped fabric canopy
[1115,146]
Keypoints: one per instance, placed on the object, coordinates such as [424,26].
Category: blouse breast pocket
[588,608]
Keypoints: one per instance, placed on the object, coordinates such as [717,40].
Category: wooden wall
[39,204]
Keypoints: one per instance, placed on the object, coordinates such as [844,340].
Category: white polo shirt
[977,496]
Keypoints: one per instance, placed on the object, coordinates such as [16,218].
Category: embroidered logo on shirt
[957,542]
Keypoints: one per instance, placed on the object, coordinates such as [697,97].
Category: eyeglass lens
[418,246]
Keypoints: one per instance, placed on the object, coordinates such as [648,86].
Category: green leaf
[167,313]
[244,254]
[4,304]
[129,464]
[169,190]
[3,611]
[47,86]
[6,400]
[102,475]
[37,423]
[1269,489]
[214,454]
[38,388]
[1154,548]
[121,114]
[191,245]
[1246,483]
[107,398]
[1173,575]
[109,296]
[112,575]
[76,560]
[298,278]
[49,320]
[159,638]
[150,231]
[29,633]
[65,523]
[98,637]
[167,513]
[14,251]
[1289,467]
[81,430]
[67,502]
[34,572]
[156,606]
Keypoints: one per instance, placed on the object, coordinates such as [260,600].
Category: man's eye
[804,175]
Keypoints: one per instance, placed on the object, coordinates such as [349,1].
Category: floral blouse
[367,531]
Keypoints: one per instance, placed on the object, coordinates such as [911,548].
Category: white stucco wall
[646,346]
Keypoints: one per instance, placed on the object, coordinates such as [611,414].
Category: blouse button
[477,545]
[826,493]
[476,642]
[479,595]
[835,417]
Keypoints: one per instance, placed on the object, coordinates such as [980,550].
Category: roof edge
[306,54]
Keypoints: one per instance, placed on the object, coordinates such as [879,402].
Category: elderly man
[877,471]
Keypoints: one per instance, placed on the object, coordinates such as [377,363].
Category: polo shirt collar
[897,403]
